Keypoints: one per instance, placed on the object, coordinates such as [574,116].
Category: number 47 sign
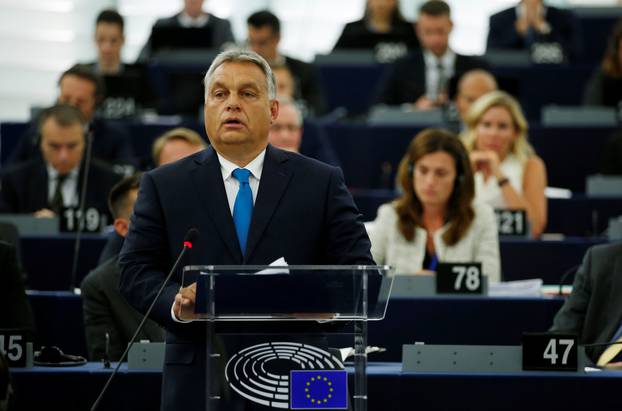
[550,352]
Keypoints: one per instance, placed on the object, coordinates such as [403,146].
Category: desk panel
[389,389]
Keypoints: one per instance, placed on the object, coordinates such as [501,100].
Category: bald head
[472,85]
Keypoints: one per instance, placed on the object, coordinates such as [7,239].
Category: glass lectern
[269,330]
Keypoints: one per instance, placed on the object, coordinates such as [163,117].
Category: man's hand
[424,103]
[184,303]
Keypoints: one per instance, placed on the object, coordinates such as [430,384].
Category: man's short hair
[119,197]
[64,114]
[283,101]
[83,72]
[180,133]
[110,16]
[242,56]
[435,8]
[265,18]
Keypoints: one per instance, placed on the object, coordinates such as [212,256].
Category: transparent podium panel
[269,331]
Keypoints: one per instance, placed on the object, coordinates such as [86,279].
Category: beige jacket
[480,244]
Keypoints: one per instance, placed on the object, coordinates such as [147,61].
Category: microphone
[85,181]
[189,240]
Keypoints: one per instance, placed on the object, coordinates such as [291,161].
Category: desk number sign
[459,278]
[550,352]
[512,222]
[13,344]
[71,218]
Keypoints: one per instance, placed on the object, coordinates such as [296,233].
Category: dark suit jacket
[303,212]
[221,33]
[111,144]
[356,35]
[502,34]
[307,85]
[593,310]
[404,81]
[15,311]
[106,311]
[25,187]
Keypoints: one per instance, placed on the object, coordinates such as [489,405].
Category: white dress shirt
[189,22]
[432,75]
[70,186]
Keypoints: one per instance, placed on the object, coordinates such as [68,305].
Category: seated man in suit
[530,22]
[593,310]
[286,133]
[192,16]
[127,87]
[264,35]
[105,310]
[252,204]
[15,310]
[45,186]
[422,78]
[84,90]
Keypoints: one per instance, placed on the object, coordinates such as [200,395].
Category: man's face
[80,93]
[433,32]
[286,131]
[469,91]
[284,83]
[176,149]
[238,111]
[62,147]
[109,40]
[263,41]
[193,8]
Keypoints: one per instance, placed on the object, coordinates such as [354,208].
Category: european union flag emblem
[318,389]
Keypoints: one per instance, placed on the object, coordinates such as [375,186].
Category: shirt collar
[446,59]
[186,21]
[255,166]
[53,174]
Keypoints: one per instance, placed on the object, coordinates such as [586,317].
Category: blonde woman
[508,173]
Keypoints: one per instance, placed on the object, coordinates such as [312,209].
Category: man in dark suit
[264,35]
[519,27]
[82,89]
[192,16]
[127,86]
[15,311]
[422,78]
[105,310]
[46,186]
[593,310]
[301,210]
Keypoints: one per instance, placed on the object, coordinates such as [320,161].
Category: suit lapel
[274,179]
[616,309]
[207,179]
[39,197]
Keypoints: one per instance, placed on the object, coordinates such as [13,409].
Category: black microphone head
[191,236]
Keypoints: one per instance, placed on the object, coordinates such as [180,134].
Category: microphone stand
[81,207]
[187,245]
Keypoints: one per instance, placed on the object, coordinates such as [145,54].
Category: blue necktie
[243,206]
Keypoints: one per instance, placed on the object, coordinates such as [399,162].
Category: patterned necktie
[442,79]
[612,351]
[58,202]
[243,206]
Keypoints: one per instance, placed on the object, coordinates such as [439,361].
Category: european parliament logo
[318,389]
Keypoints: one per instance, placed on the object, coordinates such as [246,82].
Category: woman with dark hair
[435,219]
[605,85]
[382,29]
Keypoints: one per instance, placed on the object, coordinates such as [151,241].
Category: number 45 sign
[550,352]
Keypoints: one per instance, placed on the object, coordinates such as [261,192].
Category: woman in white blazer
[435,219]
